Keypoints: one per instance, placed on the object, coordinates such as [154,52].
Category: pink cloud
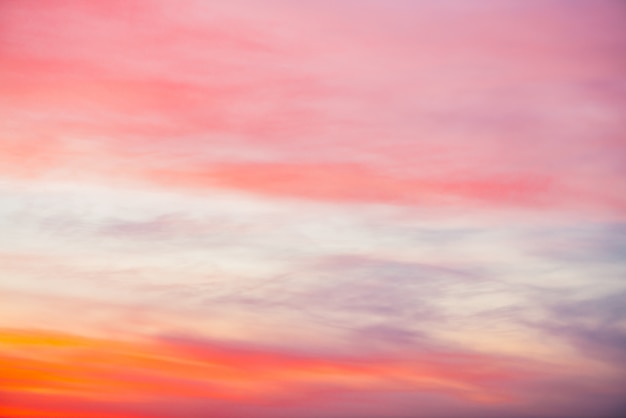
[464,105]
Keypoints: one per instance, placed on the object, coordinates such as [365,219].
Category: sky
[312,209]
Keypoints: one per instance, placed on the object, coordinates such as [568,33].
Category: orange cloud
[51,412]
[55,365]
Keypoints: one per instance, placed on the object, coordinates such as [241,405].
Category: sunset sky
[312,208]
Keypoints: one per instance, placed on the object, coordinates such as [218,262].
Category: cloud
[589,244]
[420,186]
[325,113]
[384,302]
[118,373]
[170,376]
[595,326]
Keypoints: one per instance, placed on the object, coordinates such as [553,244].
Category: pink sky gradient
[287,208]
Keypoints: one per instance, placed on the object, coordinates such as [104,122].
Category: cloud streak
[85,369]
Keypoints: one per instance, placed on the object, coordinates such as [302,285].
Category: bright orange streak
[40,413]
[55,365]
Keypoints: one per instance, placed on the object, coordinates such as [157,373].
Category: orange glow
[59,365]
[61,413]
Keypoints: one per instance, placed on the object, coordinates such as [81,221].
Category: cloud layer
[300,209]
